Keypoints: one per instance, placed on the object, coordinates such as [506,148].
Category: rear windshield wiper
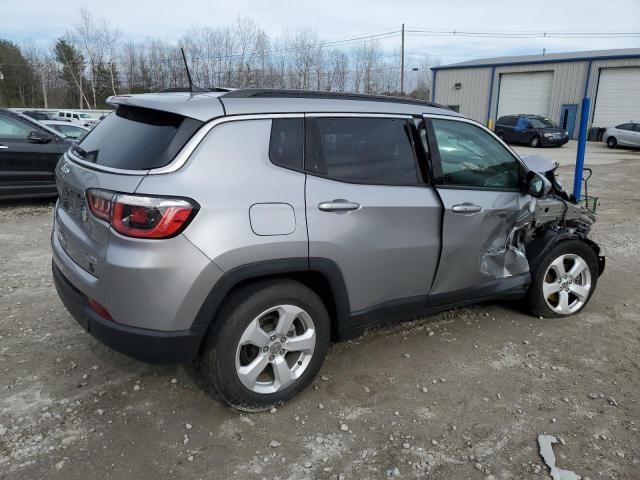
[78,150]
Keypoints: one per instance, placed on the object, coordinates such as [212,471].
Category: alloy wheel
[567,284]
[275,349]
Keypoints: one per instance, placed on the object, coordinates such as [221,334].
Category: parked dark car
[36,115]
[532,130]
[29,152]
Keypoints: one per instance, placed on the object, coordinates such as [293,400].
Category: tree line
[93,60]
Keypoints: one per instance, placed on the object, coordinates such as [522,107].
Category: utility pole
[402,64]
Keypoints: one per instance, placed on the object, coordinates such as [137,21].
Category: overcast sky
[42,21]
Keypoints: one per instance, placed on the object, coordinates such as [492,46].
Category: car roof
[211,104]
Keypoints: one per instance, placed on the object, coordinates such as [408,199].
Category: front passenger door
[26,166]
[479,182]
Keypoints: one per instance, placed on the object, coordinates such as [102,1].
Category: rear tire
[612,142]
[563,280]
[535,142]
[244,358]
[500,136]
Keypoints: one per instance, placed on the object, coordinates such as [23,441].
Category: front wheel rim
[567,284]
[275,349]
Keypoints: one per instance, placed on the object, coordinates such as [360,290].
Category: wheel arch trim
[539,247]
[274,268]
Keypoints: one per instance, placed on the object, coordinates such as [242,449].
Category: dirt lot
[463,394]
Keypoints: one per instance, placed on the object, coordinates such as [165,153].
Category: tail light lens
[139,216]
[100,203]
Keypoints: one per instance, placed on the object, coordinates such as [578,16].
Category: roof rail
[195,89]
[313,94]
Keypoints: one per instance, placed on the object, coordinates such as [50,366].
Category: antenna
[186,67]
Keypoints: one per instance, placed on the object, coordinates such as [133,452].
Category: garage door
[525,93]
[618,97]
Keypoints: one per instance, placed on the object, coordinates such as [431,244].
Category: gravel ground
[462,394]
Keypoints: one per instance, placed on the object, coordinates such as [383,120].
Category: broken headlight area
[535,227]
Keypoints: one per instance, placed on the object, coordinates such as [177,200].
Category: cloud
[41,21]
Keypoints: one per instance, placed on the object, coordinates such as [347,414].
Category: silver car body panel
[227,173]
[387,249]
[473,241]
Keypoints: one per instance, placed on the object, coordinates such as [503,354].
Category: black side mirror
[39,137]
[537,184]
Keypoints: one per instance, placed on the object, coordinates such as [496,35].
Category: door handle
[338,205]
[466,207]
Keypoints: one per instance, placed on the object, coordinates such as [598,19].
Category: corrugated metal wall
[472,95]
[568,86]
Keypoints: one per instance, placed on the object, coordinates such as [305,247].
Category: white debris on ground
[545,443]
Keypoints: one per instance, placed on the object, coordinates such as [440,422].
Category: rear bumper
[151,346]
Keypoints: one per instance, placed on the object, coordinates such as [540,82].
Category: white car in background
[79,118]
[68,129]
[624,135]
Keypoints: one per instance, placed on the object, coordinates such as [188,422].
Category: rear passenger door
[369,209]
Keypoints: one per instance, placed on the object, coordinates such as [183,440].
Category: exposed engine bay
[523,236]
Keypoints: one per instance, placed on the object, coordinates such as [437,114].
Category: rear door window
[135,138]
[362,150]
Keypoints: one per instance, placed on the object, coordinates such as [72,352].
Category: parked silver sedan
[624,135]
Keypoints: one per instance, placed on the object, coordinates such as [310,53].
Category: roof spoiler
[116,100]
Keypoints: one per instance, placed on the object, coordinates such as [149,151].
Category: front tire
[535,142]
[267,345]
[563,280]
[612,142]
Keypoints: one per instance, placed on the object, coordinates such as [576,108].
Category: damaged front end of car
[551,216]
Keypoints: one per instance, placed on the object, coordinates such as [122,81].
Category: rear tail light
[100,203]
[139,216]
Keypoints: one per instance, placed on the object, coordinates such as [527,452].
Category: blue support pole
[582,145]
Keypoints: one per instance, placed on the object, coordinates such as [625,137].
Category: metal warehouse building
[551,85]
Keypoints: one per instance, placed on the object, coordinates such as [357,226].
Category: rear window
[135,138]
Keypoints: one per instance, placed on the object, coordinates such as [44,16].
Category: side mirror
[537,184]
[38,137]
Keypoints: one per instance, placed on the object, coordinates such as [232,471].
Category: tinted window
[363,150]
[471,157]
[137,139]
[70,131]
[625,126]
[508,121]
[541,122]
[287,142]
[13,128]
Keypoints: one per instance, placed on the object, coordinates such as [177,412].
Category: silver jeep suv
[247,229]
